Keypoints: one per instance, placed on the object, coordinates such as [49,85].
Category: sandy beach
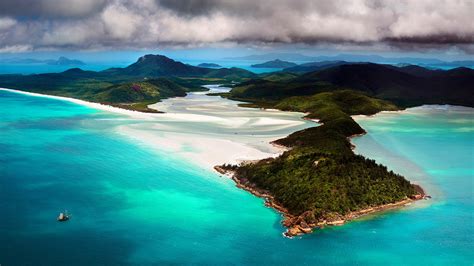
[210,130]
[98,106]
[205,130]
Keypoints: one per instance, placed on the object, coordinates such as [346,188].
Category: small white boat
[63,216]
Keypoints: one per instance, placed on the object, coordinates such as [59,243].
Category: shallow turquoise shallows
[134,205]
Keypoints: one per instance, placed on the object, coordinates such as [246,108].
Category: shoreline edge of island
[295,224]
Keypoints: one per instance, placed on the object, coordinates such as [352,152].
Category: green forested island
[277,63]
[319,180]
[150,79]
[209,65]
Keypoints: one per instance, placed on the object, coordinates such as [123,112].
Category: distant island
[272,56]
[209,65]
[64,61]
[314,66]
[61,61]
[147,81]
[275,64]
[366,58]
[319,180]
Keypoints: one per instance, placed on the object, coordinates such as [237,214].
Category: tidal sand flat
[134,204]
[210,130]
[207,130]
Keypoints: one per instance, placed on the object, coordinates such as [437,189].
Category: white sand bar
[206,130]
[210,130]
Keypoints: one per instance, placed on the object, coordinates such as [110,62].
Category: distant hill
[320,179]
[428,62]
[278,76]
[405,86]
[209,65]
[23,61]
[151,78]
[377,59]
[314,66]
[64,61]
[277,63]
[463,63]
[153,66]
[272,56]
[61,61]
[158,66]
[232,73]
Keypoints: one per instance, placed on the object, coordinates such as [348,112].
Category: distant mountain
[153,66]
[277,63]
[428,62]
[61,61]
[463,63]
[410,85]
[64,61]
[418,70]
[273,56]
[377,59]
[314,66]
[232,73]
[406,86]
[158,66]
[22,61]
[151,78]
[209,65]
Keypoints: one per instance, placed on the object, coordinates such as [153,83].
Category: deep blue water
[134,205]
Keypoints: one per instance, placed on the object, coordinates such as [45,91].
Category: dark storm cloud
[434,39]
[243,8]
[51,8]
[93,24]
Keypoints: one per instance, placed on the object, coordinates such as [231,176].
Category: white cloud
[16,49]
[120,22]
[85,24]
[6,23]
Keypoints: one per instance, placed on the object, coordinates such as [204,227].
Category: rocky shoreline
[298,224]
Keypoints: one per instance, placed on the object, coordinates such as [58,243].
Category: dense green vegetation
[320,176]
[209,65]
[404,86]
[132,92]
[278,76]
[326,184]
[275,64]
[314,66]
[150,79]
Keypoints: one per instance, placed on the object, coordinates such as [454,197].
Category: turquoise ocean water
[135,205]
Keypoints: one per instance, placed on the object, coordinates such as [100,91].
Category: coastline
[296,225]
[201,149]
[97,106]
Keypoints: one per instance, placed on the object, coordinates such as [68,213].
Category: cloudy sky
[396,25]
